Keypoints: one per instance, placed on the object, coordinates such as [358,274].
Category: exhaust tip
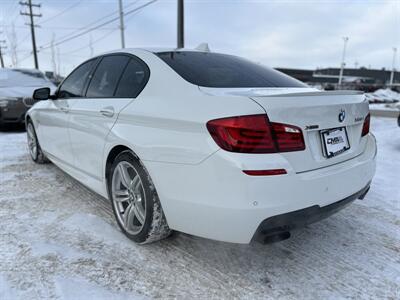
[281,236]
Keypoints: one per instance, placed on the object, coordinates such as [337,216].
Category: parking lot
[60,240]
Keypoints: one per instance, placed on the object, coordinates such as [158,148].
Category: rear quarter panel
[167,121]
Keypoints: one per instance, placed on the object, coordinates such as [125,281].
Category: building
[360,79]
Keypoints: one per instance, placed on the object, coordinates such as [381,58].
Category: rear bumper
[216,200]
[302,217]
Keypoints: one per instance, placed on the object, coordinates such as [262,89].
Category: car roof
[152,50]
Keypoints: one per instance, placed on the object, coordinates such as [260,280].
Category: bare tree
[13,42]
[53,55]
[58,61]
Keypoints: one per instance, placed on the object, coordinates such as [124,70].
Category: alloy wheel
[128,197]
[32,142]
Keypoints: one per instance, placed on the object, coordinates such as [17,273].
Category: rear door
[115,82]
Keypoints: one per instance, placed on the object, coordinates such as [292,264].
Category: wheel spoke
[125,178]
[121,195]
[139,212]
[129,216]
[135,185]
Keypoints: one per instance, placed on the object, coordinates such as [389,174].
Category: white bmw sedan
[208,144]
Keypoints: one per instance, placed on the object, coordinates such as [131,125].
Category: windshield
[21,77]
[225,71]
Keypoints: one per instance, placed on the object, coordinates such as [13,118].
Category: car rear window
[224,71]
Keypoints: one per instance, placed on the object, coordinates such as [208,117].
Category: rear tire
[134,200]
[35,150]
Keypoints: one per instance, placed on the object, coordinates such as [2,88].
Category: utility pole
[121,23]
[345,40]
[1,52]
[393,65]
[32,25]
[181,27]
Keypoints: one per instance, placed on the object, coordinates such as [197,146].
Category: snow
[6,291]
[391,110]
[390,107]
[79,289]
[383,95]
[59,240]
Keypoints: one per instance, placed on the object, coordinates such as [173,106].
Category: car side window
[133,80]
[74,83]
[106,77]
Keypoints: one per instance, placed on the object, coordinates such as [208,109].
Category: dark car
[16,89]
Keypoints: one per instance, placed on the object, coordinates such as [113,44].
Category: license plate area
[334,141]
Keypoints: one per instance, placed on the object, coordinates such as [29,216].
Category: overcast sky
[301,34]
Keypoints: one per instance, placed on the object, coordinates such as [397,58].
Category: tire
[34,148]
[137,208]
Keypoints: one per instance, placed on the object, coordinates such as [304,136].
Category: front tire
[35,150]
[135,202]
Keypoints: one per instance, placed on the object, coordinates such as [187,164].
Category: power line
[101,25]
[52,27]
[26,57]
[32,25]
[61,12]
[93,42]
[98,39]
[46,45]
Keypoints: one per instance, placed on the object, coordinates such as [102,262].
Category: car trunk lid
[314,112]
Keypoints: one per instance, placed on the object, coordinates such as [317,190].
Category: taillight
[255,134]
[365,129]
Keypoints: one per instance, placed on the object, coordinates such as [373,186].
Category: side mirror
[41,94]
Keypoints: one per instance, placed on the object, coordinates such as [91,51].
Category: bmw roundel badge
[342,115]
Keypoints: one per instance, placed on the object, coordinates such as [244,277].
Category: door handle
[107,111]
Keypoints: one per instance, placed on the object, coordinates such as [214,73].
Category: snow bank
[383,95]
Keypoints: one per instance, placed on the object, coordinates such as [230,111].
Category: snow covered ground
[391,110]
[58,240]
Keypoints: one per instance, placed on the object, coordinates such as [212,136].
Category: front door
[54,116]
